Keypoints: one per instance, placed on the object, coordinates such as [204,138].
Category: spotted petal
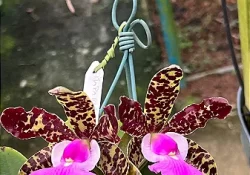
[113,160]
[201,159]
[134,152]
[162,92]
[78,108]
[35,123]
[132,118]
[196,115]
[107,128]
[38,161]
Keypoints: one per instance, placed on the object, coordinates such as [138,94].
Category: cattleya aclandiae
[155,136]
[81,116]
[159,138]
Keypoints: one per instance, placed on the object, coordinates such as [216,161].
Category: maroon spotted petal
[196,115]
[112,161]
[78,108]
[56,131]
[35,123]
[132,118]
[107,128]
[38,161]
[162,91]
[201,159]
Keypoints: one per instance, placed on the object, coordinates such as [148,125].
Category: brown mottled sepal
[107,128]
[35,123]
[78,108]
[163,89]
[132,118]
[201,159]
[196,115]
[112,161]
[38,161]
[134,151]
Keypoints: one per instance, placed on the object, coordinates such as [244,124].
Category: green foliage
[7,5]
[10,161]
[185,43]
[7,44]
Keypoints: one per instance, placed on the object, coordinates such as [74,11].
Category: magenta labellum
[168,152]
[76,157]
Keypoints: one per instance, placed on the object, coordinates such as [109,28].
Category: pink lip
[76,157]
[77,151]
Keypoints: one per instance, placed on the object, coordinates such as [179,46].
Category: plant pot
[245,133]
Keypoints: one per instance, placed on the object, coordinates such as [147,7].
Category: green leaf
[10,161]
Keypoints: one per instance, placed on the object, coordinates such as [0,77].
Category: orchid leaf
[134,152]
[35,123]
[38,161]
[78,108]
[163,89]
[201,159]
[10,161]
[107,128]
[132,118]
[112,160]
[196,115]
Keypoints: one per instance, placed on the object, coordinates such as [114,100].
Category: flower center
[76,151]
[162,144]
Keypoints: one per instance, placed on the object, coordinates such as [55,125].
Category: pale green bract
[10,161]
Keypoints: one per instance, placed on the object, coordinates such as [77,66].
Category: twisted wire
[111,52]
[127,39]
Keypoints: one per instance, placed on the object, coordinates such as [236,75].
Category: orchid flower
[168,151]
[159,138]
[76,157]
[80,124]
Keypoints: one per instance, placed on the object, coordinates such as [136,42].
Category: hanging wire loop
[131,17]
[128,36]
[127,39]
